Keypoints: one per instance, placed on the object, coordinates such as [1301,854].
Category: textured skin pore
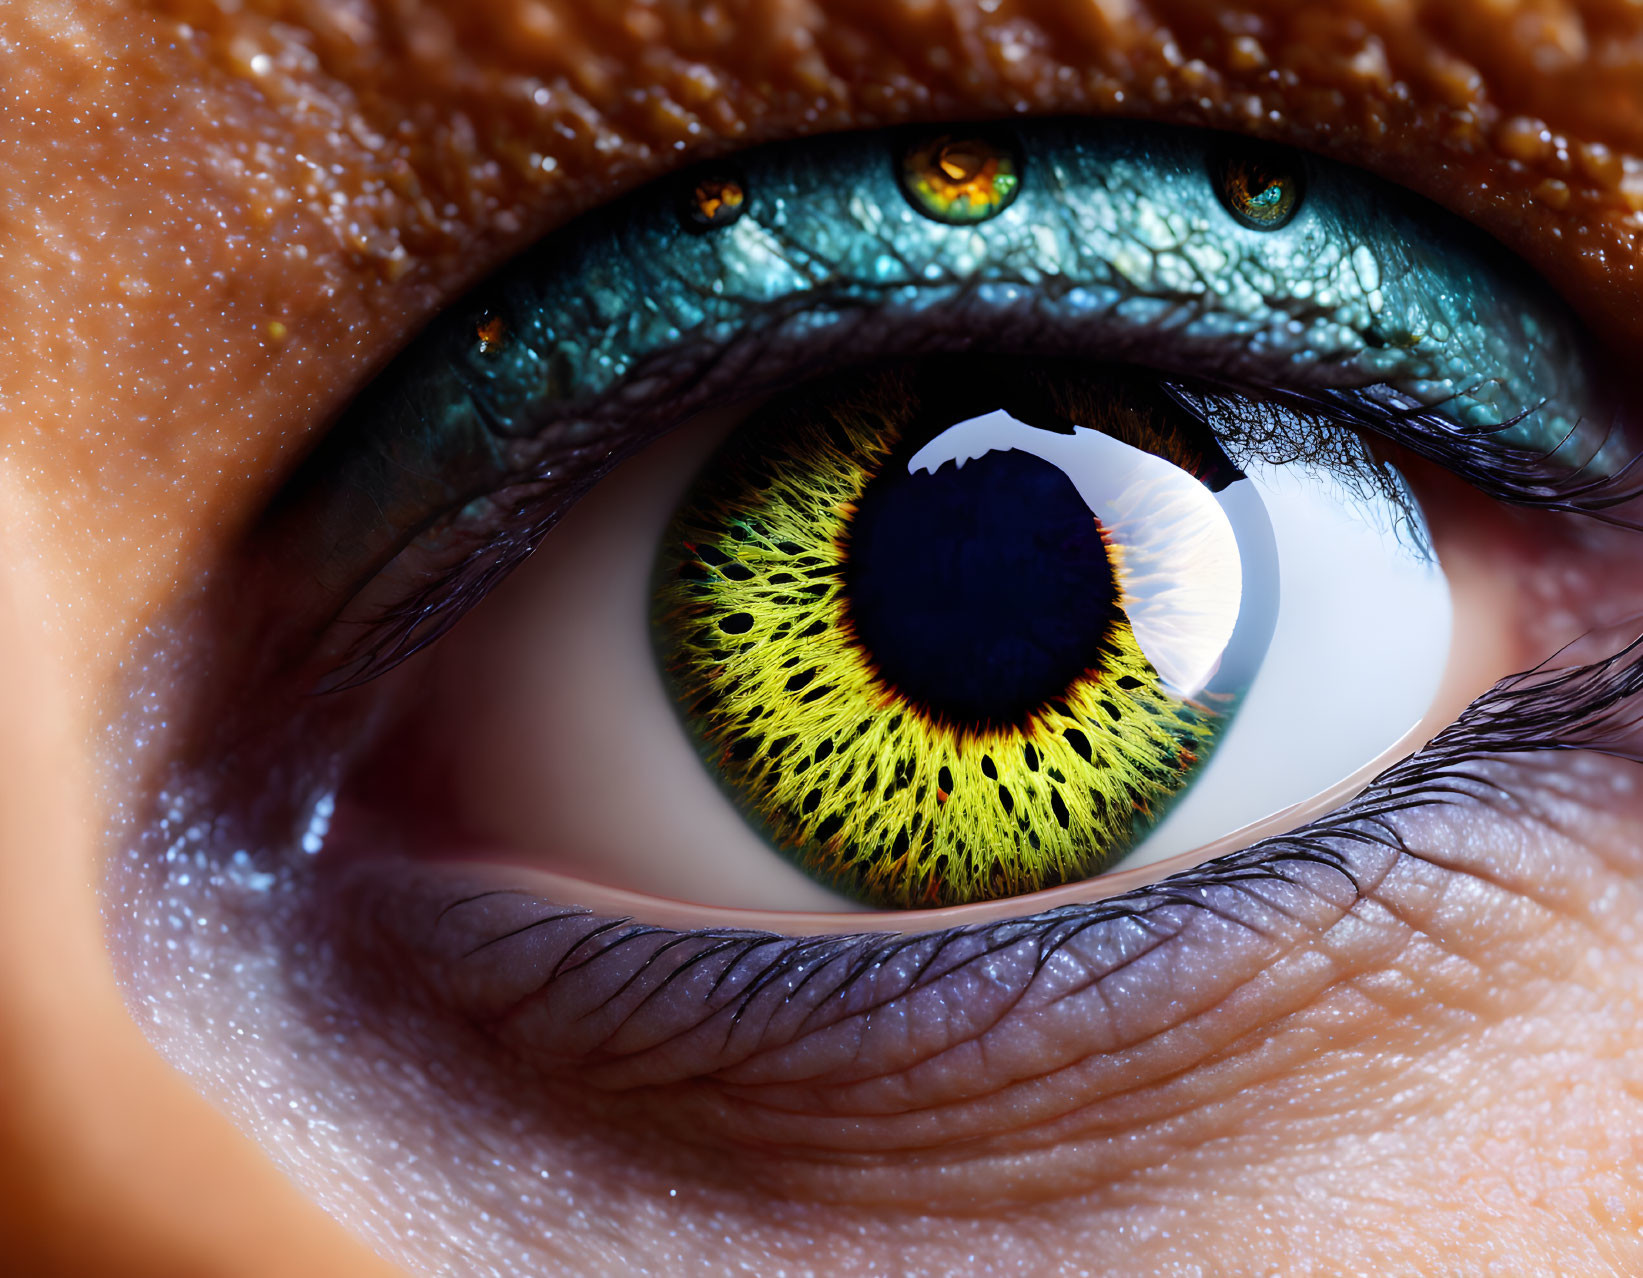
[871,794]
[220,217]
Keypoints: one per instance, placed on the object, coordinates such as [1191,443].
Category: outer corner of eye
[934,627]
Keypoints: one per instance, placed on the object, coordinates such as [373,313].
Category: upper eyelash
[1594,707]
[1515,474]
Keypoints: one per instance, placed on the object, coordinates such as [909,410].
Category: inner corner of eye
[927,635]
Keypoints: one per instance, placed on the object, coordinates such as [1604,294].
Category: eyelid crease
[611,342]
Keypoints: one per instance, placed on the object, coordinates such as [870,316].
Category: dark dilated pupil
[979,592]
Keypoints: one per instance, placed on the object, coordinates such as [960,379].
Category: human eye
[411,906]
[992,734]
[1214,313]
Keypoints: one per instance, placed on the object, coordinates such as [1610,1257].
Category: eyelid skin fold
[1360,305]
[843,1051]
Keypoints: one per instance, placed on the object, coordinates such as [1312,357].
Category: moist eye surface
[918,672]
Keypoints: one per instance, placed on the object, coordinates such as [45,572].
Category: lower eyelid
[982,1066]
[918,1033]
[1006,1063]
[869,1044]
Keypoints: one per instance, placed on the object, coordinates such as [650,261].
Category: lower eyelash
[627,1004]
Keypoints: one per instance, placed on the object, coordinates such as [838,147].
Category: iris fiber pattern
[884,796]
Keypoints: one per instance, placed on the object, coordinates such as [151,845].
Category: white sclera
[1358,653]
[571,745]
[1299,601]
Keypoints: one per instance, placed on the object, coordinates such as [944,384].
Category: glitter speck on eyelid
[715,201]
[491,333]
[960,180]
[1261,192]
[319,824]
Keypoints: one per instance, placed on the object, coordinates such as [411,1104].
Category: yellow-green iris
[891,800]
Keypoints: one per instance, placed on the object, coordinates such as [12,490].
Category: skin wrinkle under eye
[1596,203]
[754,1044]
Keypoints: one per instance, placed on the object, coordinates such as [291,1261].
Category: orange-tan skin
[216,226]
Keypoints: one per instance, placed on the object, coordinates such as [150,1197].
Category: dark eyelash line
[1593,707]
[398,632]
[1316,424]
[1517,475]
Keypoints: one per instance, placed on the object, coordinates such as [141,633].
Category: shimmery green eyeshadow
[1092,238]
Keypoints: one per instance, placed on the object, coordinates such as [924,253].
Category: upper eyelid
[548,213]
[521,339]
[1503,206]
[1495,205]
[490,432]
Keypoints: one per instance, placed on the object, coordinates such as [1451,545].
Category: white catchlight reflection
[1178,566]
[1286,602]
[1358,654]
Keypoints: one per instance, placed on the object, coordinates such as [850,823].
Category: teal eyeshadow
[1116,247]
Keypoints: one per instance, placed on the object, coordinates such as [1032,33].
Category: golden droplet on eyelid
[491,332]
[960,179]
[1260,187]
[714,201]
